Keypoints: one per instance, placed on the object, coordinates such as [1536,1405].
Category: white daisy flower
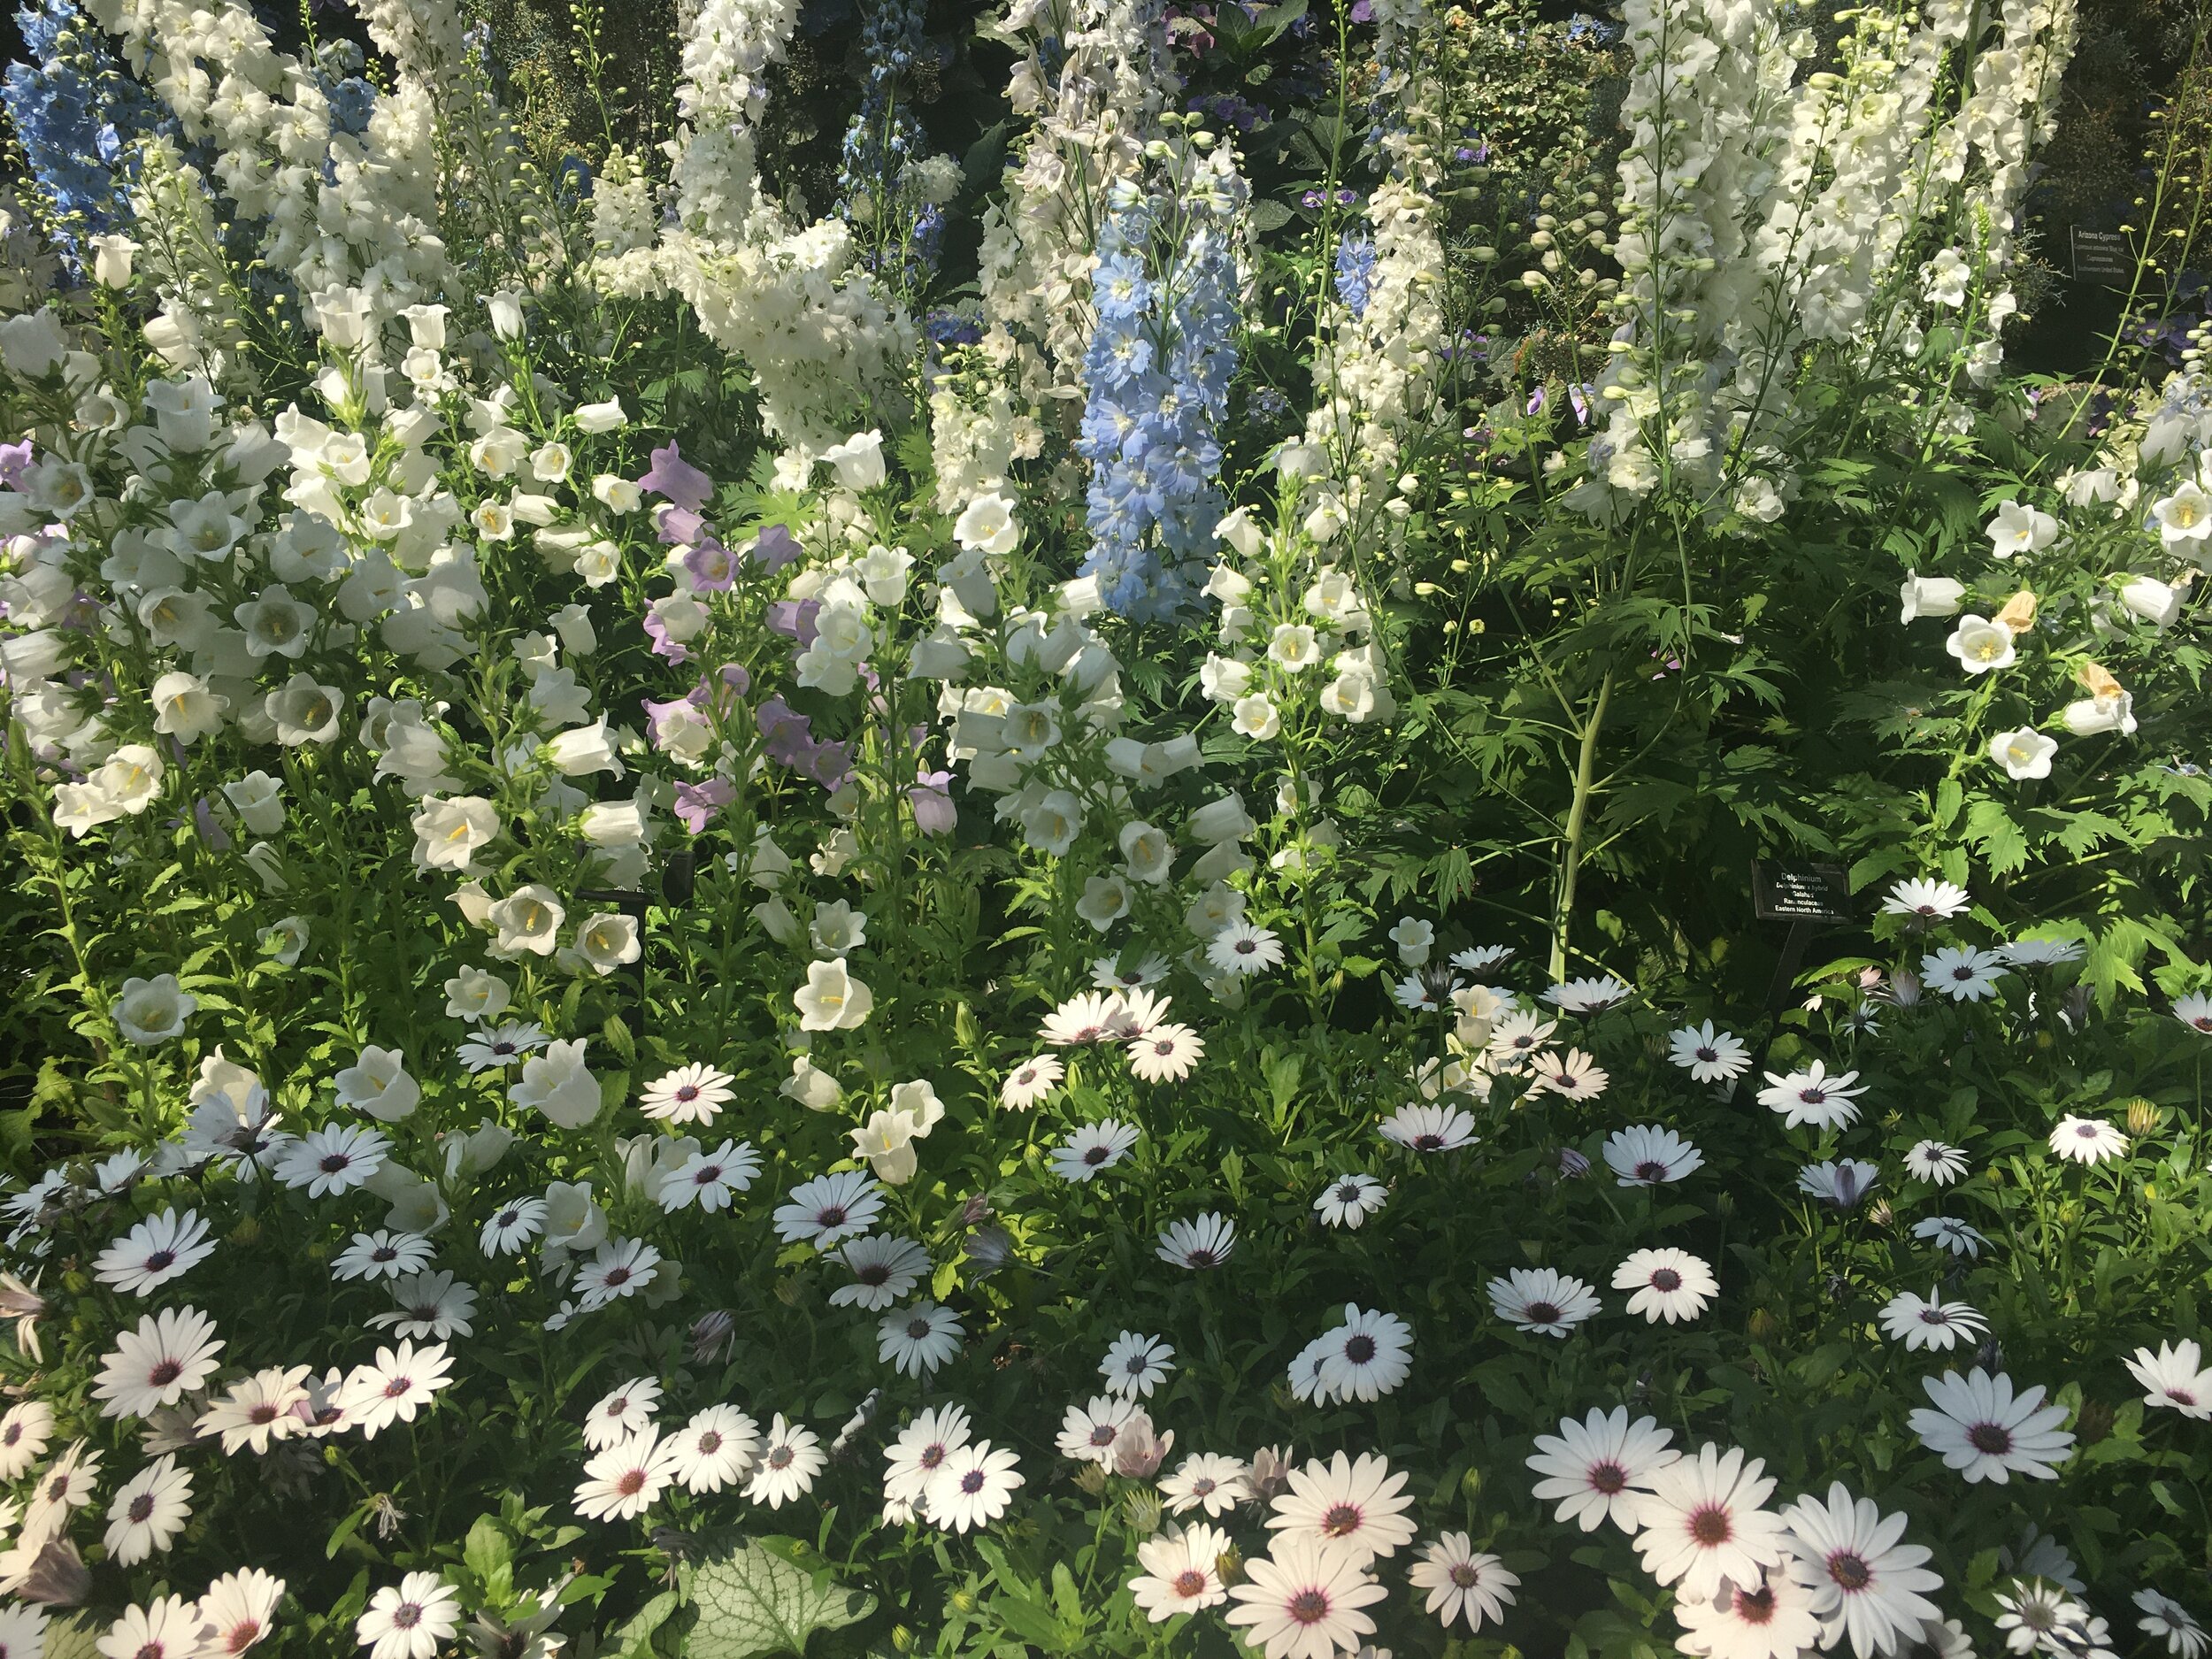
[1981,1428]
[1242,949]
[1092,1147]
[621,1412]
[1182,1571]
[167,1627]
[495,1047]
[1367,1356]
[382,1255]
[971,1487]
[1601,1468]
[1301,1600]
[1935,1161]
[1670,1284]
[1205,1242]
[618,1268]
[919,1450]
[1865,1582]
[409,1620]
[1930,1323]
[170,1354]
[1136,1364]
[690,1094]
[1645,1155]
[1952,1235]
[159,1248]
[717,1448]
[2165,1619]
[1356,1507]
[2175,1377]
[1462,1582]
[238,1612]
[395,1385]
[1816,1096]
[1709,1056]
[1702,1523]
[149,1511]
[512,1225]
[1588,996]
[710,1179]
[919,1340]
[623,1480]
[334,1159]
[1350,1200]
[789,1460]
[1087,1433]
[257,1411]
[2087,1141]
[431,1305]
[1925,901]
[884,1269]
[1031,1081]
[830,1209]
[1166,1054]
[1420,1128]
[1207,1480]
[1542,1300]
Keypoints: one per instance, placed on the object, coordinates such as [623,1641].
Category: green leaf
[754,1602]
[1949,796]
[2004,848]
[77,1639]
[635,1634]
[485,1552]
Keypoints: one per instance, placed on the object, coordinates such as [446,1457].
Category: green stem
[1577,816]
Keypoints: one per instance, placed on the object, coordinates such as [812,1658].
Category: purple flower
[712,567]
[794,619]
[788,733]
[681,524]
[210,830]
[829,765]
[932,799]
[775,549]
[736,679]
[675,651]
[15,462]
[677,479]
[696,803]
[656,715]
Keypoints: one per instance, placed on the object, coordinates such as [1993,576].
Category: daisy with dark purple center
[1205,1242]
[1429,1128]
[1542,1300]
[1983,1429]
[159,1248]
[1707,1054]
[1599,1468]
[495,1047]
[382,1254]
[1462,1582]
[1093,1148]
[1030,1082]
[690,1094]
[1648,1155]
[830,1209]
